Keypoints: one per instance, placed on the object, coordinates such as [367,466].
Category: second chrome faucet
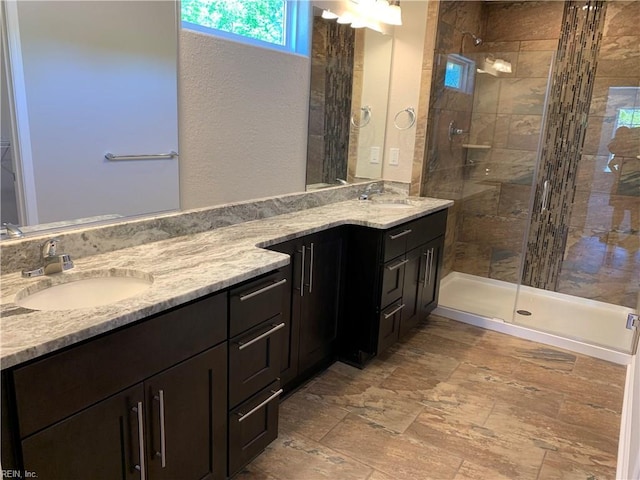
[52,261]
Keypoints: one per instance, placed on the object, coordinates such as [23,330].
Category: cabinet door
[413,275]
[431,280]
[100,442]
[291,311]
[320,298]
[187,418]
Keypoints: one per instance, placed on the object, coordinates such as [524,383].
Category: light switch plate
[394,156]
[374,155]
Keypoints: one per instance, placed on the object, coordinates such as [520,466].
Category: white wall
[406,73]
[243,114]
[629,448]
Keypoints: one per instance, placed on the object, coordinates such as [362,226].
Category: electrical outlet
[374,156]
[394,156]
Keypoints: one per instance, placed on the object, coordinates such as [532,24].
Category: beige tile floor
[452,401]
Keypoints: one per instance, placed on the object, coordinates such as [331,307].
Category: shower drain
[523,312]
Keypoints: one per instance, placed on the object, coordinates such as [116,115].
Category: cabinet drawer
[392,280]
[426,229]
[395,241]
[51,389]
[256,301]
[389,331]
[252,426]
[254,359]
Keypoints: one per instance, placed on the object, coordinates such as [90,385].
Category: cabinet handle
[423,279]
[311,270]
[243,345]
[247,296]
[431,256]
[427,263]
[394,311]
[141,467]
[244,416]
[398,265]
[401,234]
[302,271]
[163,444]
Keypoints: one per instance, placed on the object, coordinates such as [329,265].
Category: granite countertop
[183,268]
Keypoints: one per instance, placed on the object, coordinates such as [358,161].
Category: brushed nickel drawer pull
[398,265]
[401,234]
[244,416]
[247,296]
[395,310]
[302,272]
[141,467]
[431,258]
[243,345]
[311,270]
[163,443]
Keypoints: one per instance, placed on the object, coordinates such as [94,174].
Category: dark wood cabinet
[186,418]
[317,272]
[172,425]
[149,398]
[393,279]
[100,442]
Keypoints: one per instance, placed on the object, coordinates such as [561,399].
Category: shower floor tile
[452,401]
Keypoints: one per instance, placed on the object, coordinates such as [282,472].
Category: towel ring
[366,117]
[412,118]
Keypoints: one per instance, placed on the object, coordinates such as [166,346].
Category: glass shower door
[581,264]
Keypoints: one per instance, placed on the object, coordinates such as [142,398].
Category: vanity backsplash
[23,253]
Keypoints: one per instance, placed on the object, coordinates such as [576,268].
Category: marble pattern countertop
[184,268]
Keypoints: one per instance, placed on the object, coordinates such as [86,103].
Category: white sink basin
[69,291]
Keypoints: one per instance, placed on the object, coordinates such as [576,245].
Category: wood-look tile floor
[452,401]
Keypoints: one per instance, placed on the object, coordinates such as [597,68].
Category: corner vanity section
[185,380]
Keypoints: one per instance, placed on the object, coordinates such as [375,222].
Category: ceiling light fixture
[329,15]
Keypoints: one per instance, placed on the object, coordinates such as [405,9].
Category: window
[459,73]
[628,117]
[266,23]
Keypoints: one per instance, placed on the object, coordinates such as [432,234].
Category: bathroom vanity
[184,380]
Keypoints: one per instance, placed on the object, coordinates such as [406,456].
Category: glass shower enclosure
[544,232]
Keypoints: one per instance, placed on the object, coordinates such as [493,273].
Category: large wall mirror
[82,79]
[350,72]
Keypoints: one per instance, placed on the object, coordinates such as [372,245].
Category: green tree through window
[263,20]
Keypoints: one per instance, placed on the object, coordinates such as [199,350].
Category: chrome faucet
[52,261]
[13,231]
[370,190]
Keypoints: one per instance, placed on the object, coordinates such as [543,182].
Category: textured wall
[243,121]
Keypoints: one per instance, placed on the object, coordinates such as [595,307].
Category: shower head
[476,40]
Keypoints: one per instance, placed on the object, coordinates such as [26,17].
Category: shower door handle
[545,196]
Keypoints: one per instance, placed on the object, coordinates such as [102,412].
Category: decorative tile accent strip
[564,134]
[339,82]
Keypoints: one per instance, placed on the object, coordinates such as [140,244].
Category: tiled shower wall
[570,92]
[492,186]
[507,115]
[444,165]
[602,256]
